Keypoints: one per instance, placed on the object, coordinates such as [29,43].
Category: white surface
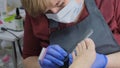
[3,5]
[42,54]
[6,35]
[9,37]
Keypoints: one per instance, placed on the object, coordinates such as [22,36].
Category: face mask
[68,14]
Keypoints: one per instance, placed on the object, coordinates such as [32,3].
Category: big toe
[90,44]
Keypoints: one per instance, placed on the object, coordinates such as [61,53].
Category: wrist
[106,60]
[100,61]
[103,58]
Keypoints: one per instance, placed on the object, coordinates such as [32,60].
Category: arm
[31,62]
[31,47]
[113,60]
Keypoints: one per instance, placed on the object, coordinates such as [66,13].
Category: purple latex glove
[100,61]
[54,57]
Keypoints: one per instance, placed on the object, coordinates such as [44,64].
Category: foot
[85,54]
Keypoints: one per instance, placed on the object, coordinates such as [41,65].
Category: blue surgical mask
[68,14]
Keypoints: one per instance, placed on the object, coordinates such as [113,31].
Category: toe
[90,44]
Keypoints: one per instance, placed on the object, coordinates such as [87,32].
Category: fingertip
[70,59]
[65,53]
[70,56]
[55,46]
[45,62]
[48,64]
[61,50]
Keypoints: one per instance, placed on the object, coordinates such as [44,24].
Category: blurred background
[7,16]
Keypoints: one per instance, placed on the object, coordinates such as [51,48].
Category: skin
[85,52]
[112,58]
[31,62]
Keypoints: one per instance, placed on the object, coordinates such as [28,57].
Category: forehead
[56,5]
[54,2]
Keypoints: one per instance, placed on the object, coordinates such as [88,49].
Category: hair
[35,7]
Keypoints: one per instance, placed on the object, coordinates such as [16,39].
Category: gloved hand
[100,61]
[70,59]
[54,57]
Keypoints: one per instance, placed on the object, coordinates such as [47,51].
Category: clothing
[37,29]
[69,13]
[93,26]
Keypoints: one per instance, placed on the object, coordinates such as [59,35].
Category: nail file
[87,35]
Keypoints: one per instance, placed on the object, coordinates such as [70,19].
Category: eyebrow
[47,12]
[58,4]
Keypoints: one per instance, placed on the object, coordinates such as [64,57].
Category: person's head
[36,7]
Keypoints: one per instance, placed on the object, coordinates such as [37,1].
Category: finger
[47,63]
[55,53]
[60,50]
[54,60]
[70,59]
